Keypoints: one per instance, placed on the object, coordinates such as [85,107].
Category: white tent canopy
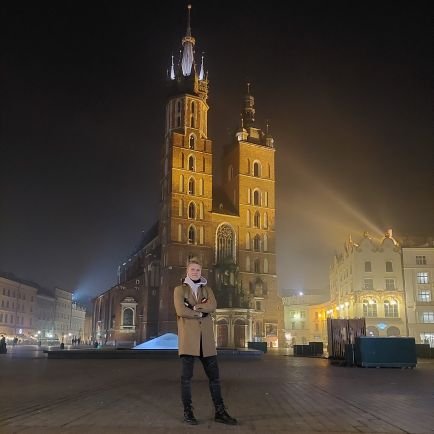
[168,341]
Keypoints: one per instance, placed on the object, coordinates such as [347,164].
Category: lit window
[390,309]
[368,266]
[369,308]
[422,277]
[424,295]
[427,338]
[427,317]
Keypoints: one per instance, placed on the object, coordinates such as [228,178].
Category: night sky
[82,96]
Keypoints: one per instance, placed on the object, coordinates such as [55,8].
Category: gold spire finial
[188,21]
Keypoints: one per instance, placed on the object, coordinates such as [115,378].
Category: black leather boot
[189,415]
[222,416]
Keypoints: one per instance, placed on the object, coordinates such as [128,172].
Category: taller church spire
[185,79]
[188,42]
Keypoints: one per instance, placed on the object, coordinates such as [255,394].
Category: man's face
[194,271]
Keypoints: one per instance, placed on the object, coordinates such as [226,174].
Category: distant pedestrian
[3,349]
[194,301]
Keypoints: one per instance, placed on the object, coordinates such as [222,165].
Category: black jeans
[211,368]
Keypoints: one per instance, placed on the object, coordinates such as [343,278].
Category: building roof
[417,241]
[11,276]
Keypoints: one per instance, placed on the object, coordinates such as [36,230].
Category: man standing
[194,301]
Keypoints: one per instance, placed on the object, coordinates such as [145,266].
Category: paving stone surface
[273,394]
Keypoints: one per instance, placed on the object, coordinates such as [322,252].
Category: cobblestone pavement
[273,394]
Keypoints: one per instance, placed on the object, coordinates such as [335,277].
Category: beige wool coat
[191,328]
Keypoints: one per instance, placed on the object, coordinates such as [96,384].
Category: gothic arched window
[257,243]
[191,235]
[128,317]
[191,186]
[257,220]
[191,142]
[191,162]
[191,211]
[257,169]
[256,197]
[225,243]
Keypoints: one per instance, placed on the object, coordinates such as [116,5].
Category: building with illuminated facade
[305,318]
[418,263]
[389,283]
[29,311]
[366,281]
[17,307]
[229,227]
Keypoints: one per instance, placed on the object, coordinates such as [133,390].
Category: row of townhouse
[390,284]
[30,312]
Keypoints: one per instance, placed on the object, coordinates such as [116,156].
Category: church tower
[230,227]
[186,184]
[249,183]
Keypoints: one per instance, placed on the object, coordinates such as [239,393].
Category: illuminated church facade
[230,227]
